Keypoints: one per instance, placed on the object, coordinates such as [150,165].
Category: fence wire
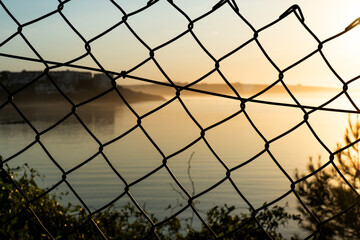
[307,110]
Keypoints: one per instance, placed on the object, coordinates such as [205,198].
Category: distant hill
[36,87]
[135,96]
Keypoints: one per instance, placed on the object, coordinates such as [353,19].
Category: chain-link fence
[10,95]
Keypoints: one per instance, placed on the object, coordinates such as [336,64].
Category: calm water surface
[133,156]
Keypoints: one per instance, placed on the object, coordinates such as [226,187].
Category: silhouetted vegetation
[332,198]
[17,220]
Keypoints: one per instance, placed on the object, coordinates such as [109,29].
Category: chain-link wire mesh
[115,77]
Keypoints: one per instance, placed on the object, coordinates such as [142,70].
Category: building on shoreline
[68,81]
[36,86]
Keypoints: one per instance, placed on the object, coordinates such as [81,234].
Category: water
[171,129]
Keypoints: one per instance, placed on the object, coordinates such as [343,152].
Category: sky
[183,60]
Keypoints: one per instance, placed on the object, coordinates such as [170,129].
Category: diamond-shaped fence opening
[176,60]
[97,193]
[193,161]
[226,33]
[286,51]
[95,23]
[62,42]
[337,53]
[242,66]
[244,140]
[126,157]
[123,56]
[153,20]
[160,119]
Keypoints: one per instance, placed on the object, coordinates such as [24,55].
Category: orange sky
[183,60]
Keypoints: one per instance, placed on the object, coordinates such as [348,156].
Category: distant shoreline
[77,86]
[243,89]
[28,97]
